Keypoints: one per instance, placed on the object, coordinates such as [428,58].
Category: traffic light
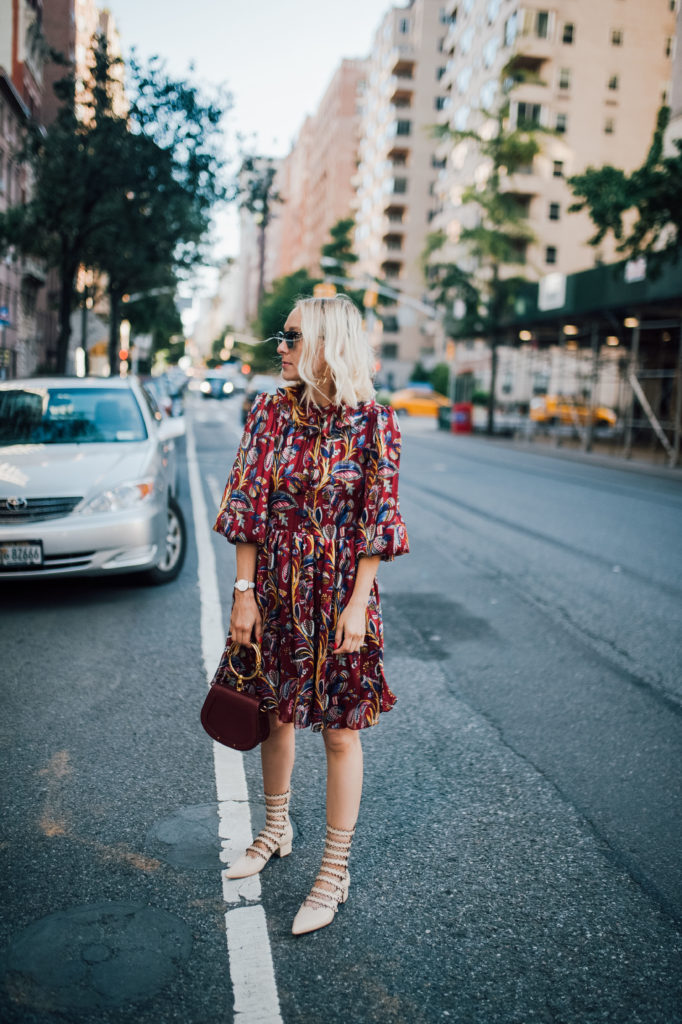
[123,354]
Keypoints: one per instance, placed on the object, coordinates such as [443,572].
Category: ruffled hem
[286,713]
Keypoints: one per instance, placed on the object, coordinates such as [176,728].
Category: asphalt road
[517,854]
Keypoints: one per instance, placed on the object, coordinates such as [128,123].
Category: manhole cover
[188,838]
[100,955]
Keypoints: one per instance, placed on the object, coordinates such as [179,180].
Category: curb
[586,458]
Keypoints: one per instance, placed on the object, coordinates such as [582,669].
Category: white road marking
[252,970]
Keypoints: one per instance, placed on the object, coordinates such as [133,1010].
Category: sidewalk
[641,462]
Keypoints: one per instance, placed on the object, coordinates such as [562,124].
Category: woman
[312,506]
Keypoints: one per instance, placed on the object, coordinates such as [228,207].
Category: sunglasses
[289,337]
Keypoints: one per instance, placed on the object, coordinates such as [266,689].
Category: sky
[276,58]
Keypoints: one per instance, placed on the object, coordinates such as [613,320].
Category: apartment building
[595,74]
[397,173]
[675,126]
[315,179]
[27,319]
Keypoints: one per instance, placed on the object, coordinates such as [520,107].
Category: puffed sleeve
[244,508]
[381,530]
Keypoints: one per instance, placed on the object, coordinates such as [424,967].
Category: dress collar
[322,418]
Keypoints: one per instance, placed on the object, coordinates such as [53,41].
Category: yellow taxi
[418,401]
[552,409]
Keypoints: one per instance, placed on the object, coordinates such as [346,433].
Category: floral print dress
[316,490]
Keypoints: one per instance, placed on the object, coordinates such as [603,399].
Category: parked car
[418,401]
[88,486]
[165,394]
[555,409]
[259,383]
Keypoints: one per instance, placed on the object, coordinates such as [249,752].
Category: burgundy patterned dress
[316,490]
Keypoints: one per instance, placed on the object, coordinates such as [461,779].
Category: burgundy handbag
[231,715]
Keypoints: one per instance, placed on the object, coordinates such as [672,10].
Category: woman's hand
[351,628]
[245,620]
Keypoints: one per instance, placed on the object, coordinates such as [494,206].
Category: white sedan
[87,481]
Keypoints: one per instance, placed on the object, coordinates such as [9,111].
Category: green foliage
[652,190]
[440,378]
[420,375]
[129,196]
[340,248]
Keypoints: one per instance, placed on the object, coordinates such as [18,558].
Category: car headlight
[228,387]
[205,387]
[118,498]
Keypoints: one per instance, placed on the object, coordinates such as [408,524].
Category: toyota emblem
[16,504]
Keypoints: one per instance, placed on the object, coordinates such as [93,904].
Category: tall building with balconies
[593,74]
[315,179]
[397,172]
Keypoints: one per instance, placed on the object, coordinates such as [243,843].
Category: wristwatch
[243,585]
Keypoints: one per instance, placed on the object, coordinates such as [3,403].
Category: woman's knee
[277,726]
[340,741]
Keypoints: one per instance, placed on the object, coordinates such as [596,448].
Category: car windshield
[63,415]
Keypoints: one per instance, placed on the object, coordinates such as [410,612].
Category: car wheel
[176,547]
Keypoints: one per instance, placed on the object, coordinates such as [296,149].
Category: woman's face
[291,357]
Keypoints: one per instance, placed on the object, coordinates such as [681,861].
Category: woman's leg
[277,759]
[344,790]
[344,776]
[277,754]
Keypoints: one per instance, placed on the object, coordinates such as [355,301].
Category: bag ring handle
[234,646]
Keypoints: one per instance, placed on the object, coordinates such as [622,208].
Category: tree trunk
[67,279]
[114,330]
[490,427]
[261,261]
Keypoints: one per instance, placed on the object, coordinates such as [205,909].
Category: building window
[403,128]
[510,29]
[394,242]
[562,123]
[528,115]
[439,102]
[400,185]
[565,78]
[554,211]
[439,73]
[550,254]
[389,349]
[558,169]
[613,83]
[404,26]
[542,24]
[391,327]
[668,46]
[609,126]
[616,37]
[569,33]
[439,162]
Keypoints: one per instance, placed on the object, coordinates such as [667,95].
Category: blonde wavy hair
[334,327]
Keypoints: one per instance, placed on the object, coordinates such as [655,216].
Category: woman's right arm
[245,620]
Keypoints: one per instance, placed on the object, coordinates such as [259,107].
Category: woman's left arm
[352,622]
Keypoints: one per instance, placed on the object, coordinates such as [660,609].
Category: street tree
[256,193]
[127,194]
[273,310]
[642,210]
[497,240]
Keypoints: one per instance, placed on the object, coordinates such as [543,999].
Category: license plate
[21,553]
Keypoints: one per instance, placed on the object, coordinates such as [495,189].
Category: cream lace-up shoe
[331,885]
[275,838]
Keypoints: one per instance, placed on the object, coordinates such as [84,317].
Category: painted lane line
[252,971]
